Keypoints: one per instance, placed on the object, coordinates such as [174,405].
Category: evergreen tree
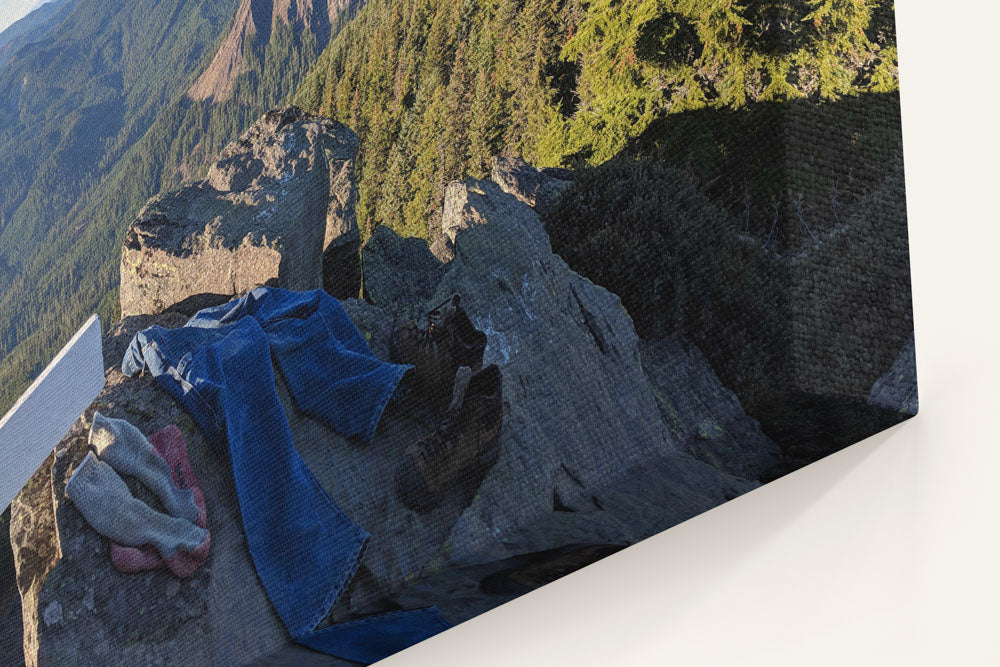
[436,89]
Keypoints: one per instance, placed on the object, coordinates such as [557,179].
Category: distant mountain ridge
[37,25]
[98,119]
[253,24]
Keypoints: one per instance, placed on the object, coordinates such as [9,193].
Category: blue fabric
[305,549]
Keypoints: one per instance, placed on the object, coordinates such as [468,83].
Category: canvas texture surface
[441,330]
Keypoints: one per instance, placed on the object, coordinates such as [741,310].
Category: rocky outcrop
[400,274]
[465,205]
[605,440]
[897,389]
[538,188]
[252,25]
[703,414]
[277,202]
[565,347]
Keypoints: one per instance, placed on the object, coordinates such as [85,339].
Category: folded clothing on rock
[105,501]
[122,446]
[304,548]
[142,538]
[169,445]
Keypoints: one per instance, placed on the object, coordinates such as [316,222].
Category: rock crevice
[253,24]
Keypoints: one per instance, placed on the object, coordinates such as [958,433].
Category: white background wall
[884,554]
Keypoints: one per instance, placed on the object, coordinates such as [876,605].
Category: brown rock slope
[253,24]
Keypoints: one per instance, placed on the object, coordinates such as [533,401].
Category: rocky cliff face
[274,203]
[255,19]
[606,439]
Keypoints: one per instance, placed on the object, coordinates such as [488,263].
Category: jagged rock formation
[538,188]
[274,203]
[565,347]
[255,19]
[605,440]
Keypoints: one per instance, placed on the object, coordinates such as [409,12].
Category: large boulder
[278,200]
[79,610]
[538,188]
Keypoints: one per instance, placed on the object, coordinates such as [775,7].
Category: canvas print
[407,308]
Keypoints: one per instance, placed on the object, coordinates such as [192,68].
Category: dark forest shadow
[772,237]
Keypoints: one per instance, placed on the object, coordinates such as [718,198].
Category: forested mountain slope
[36,26]
[103,116]
[435,88]
[121,103]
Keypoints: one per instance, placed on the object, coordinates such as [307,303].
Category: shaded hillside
[785,172]
[435,89]
[36,26]
[70,107]
[79,160]
[792,275]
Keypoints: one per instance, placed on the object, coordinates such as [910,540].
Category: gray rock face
[466,203]
[470,203]
[596,447]
[897,389]
[702,413]
[580,412]
[538,188]
[400,274]
[274,203]
[457,214]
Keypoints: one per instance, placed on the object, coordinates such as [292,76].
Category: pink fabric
[169,443]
